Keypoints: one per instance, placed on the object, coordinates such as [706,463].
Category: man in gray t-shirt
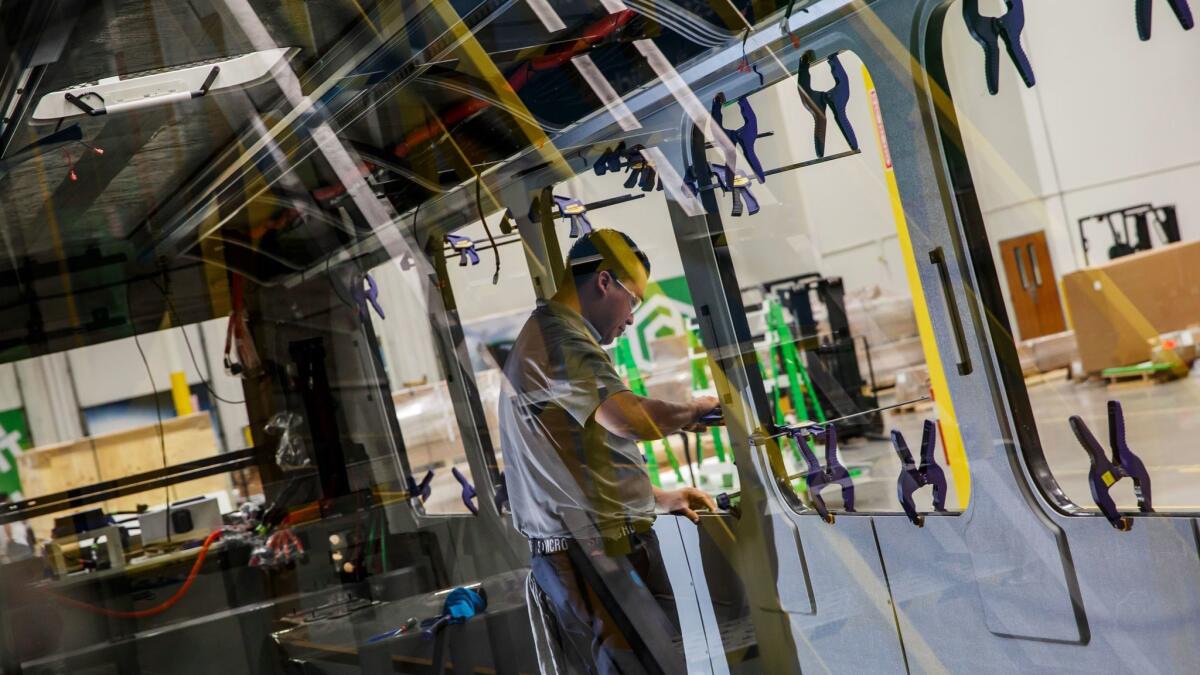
[576,481]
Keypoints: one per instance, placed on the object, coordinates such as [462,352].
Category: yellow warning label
[1108,478]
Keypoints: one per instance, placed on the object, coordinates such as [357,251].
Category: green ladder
[633,375]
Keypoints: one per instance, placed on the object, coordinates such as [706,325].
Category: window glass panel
[1085,181]
[830,298]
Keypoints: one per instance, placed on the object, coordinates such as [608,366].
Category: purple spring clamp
[1103,473]
[575,211]
[913,477]
[989,30]
[370,294]
[468,490]
[739,184]
[422,489]
[816,477]
[745,135]
[835,99]
[467,255]
[1145,12]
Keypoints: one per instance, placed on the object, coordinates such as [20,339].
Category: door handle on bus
[963,356]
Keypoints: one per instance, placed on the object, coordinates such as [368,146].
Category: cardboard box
[1052,352]
[1119,308]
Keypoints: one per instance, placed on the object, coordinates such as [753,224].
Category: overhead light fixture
[147,89]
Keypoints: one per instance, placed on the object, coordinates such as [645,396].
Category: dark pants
[614,614]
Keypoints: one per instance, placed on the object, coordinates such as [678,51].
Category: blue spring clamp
[641,172]
[467,255]
[370,294]
[422,489]
[1145,12]
[1104,473]
[468,490]
[989,30]
[913,477]
[835,100]
[745,135]
[815,477]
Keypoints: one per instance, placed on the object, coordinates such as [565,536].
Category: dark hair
[586,258]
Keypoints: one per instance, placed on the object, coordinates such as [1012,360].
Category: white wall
[1108,125]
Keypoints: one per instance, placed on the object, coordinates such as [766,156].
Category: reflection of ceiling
[387,80]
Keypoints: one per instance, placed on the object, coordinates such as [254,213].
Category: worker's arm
[681,502]
[628,415]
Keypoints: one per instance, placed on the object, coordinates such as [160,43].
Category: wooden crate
[64,466]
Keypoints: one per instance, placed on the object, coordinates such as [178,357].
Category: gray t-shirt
[567,476]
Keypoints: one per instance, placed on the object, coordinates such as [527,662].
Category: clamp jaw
[468,490]
[370,294]
[835,99]
[913,477]
[467,255]
[1145,12]
[989,30]
[420,490]
[816,477]
[1104,473]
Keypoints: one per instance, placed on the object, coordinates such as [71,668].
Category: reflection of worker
[15,538]
[577,483]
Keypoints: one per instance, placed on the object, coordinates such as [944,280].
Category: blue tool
[1145,12]
[404,628]
[817,478]
[468,490]
[1103,473]
[610,160]
[835,100]
[913,477]
[713,418]
[370,295]
[575,211]
[641,173]
[745,135]
[467,255]
[461,604]
[737,183]
[422,489]
[989,30]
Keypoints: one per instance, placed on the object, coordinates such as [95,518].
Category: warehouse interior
[203,296]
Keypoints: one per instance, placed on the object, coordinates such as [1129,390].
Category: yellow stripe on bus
[951,434]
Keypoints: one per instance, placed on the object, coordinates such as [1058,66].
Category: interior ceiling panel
[388,78]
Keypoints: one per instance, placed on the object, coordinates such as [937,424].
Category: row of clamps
[912,476]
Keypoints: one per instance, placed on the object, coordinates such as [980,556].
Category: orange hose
[157,609]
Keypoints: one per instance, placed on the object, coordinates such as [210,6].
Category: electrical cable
[157,609]
[191,352]
[162,441]
[487,230]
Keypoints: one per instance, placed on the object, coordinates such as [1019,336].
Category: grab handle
[938,257]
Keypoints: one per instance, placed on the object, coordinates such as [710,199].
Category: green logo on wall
[14,439]
[665,311]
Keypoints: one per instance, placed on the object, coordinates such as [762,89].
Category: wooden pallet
[1145,372]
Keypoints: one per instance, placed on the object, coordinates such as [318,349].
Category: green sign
[14,439]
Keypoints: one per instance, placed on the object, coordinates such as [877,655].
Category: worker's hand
[681,502]
[701,406]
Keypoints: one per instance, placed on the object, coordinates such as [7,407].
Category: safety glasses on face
[634,301]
